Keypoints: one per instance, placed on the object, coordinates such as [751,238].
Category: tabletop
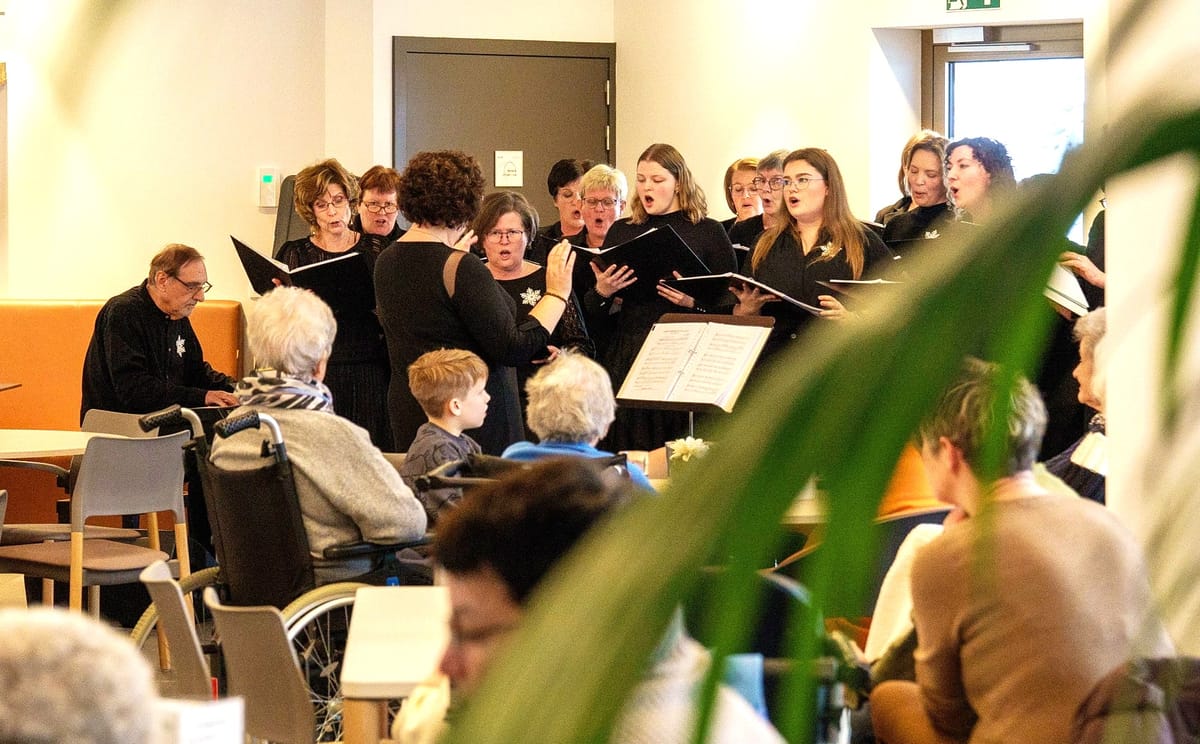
[33,444]
[397,635]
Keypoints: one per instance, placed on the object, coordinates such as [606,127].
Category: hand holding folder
[655,254]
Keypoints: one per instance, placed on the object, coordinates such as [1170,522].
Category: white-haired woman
[348,492]
[1084,465]
[571,406]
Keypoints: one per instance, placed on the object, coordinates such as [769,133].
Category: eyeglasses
[499,235]
[376,207]
[337,202]
[800,183]
[193,287]
[605,203]
[738,189]
[570,195]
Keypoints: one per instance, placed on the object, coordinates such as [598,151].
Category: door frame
[403,45]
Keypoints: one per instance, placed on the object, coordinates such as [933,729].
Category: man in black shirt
[144,354]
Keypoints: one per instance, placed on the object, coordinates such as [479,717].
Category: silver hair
[1089,329]
[570,400]
[604,177]
[69,678]
[290,330]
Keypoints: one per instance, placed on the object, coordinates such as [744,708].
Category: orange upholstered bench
[42,345]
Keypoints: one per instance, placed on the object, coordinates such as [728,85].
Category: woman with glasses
[378,208]
[819,240]
[358,375]
[504,223]
[435,294]
[563,185]
[667,196]
[741,192]
[744,233]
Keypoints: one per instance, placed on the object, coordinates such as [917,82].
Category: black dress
[548,237]
[620,331]
[571,332]
[744,235]
[385,240]
[358,371]
[788,269]
[906,232]
[418,315]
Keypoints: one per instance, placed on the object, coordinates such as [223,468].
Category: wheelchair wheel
[192,588]
[318,623]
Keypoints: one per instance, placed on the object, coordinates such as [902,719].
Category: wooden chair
[262,667]
[116,476]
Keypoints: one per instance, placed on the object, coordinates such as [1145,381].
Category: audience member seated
[348,491]
[1084,465]
[495,549]
[69,679]
[450,386]
[571,406]
[1021,611]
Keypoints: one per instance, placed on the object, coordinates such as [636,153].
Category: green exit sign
[971,4]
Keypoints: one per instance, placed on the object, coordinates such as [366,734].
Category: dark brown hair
[441,188]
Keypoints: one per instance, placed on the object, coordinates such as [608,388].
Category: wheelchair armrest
[360,549]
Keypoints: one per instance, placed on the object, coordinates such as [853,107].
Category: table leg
[363,721]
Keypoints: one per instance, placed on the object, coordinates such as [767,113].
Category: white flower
[687,447]
[531,296]
[932,235]
[826,249]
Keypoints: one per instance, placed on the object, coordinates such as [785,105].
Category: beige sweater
[1016,627]
[347,490]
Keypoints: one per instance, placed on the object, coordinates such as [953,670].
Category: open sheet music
[1063,289]
[691,364]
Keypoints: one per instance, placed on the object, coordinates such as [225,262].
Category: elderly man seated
[348,492]
[571,406]
[1022,606]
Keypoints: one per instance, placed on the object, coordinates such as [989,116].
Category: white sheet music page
[661,361]
[712,376]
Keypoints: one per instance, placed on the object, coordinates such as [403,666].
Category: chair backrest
[186,675]
[258,532]
[1146,701]
[262,667]
[129,476]
[112,422]
[289,225]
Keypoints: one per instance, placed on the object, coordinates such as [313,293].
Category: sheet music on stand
[695,362]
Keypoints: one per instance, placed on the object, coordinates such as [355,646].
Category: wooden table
[35,444]
[397,636]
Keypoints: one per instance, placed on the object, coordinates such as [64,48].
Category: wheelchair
[263,558]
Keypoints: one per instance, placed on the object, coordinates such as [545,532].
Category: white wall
[135,127]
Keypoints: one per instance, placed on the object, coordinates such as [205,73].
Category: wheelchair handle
[170,415]
[252,420]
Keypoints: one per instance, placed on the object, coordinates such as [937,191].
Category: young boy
[449,385]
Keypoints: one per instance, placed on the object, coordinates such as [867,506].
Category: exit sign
[971,4]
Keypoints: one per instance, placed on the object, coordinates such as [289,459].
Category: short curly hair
[570,400]
[992,155]
[441,188]
[314,180]
[380,178]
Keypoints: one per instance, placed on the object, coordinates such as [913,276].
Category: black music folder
[344,282]
[653,255]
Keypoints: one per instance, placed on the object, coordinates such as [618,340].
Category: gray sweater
[347,490]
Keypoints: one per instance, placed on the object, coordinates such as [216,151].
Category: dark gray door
[549,100]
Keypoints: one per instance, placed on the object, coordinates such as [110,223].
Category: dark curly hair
[992,155]
[443,188]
